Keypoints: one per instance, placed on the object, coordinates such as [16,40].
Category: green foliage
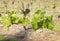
[38,16]
[21,19]
[15,20]
[26,21]
[48,22]
[37,25]
[7,22]
[2,37]
[38,20]
[11,19]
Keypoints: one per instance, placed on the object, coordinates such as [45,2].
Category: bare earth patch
[17,31]
[45,35]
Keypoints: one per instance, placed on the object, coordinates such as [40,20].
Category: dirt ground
[30,35]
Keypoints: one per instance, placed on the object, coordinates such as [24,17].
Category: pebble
[39,31]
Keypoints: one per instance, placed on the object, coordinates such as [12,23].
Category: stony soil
[17,31]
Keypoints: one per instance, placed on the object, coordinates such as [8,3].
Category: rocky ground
[18,32]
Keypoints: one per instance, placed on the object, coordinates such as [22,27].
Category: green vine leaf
[26,21]
[37,21]
[35,26]
[7,22]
